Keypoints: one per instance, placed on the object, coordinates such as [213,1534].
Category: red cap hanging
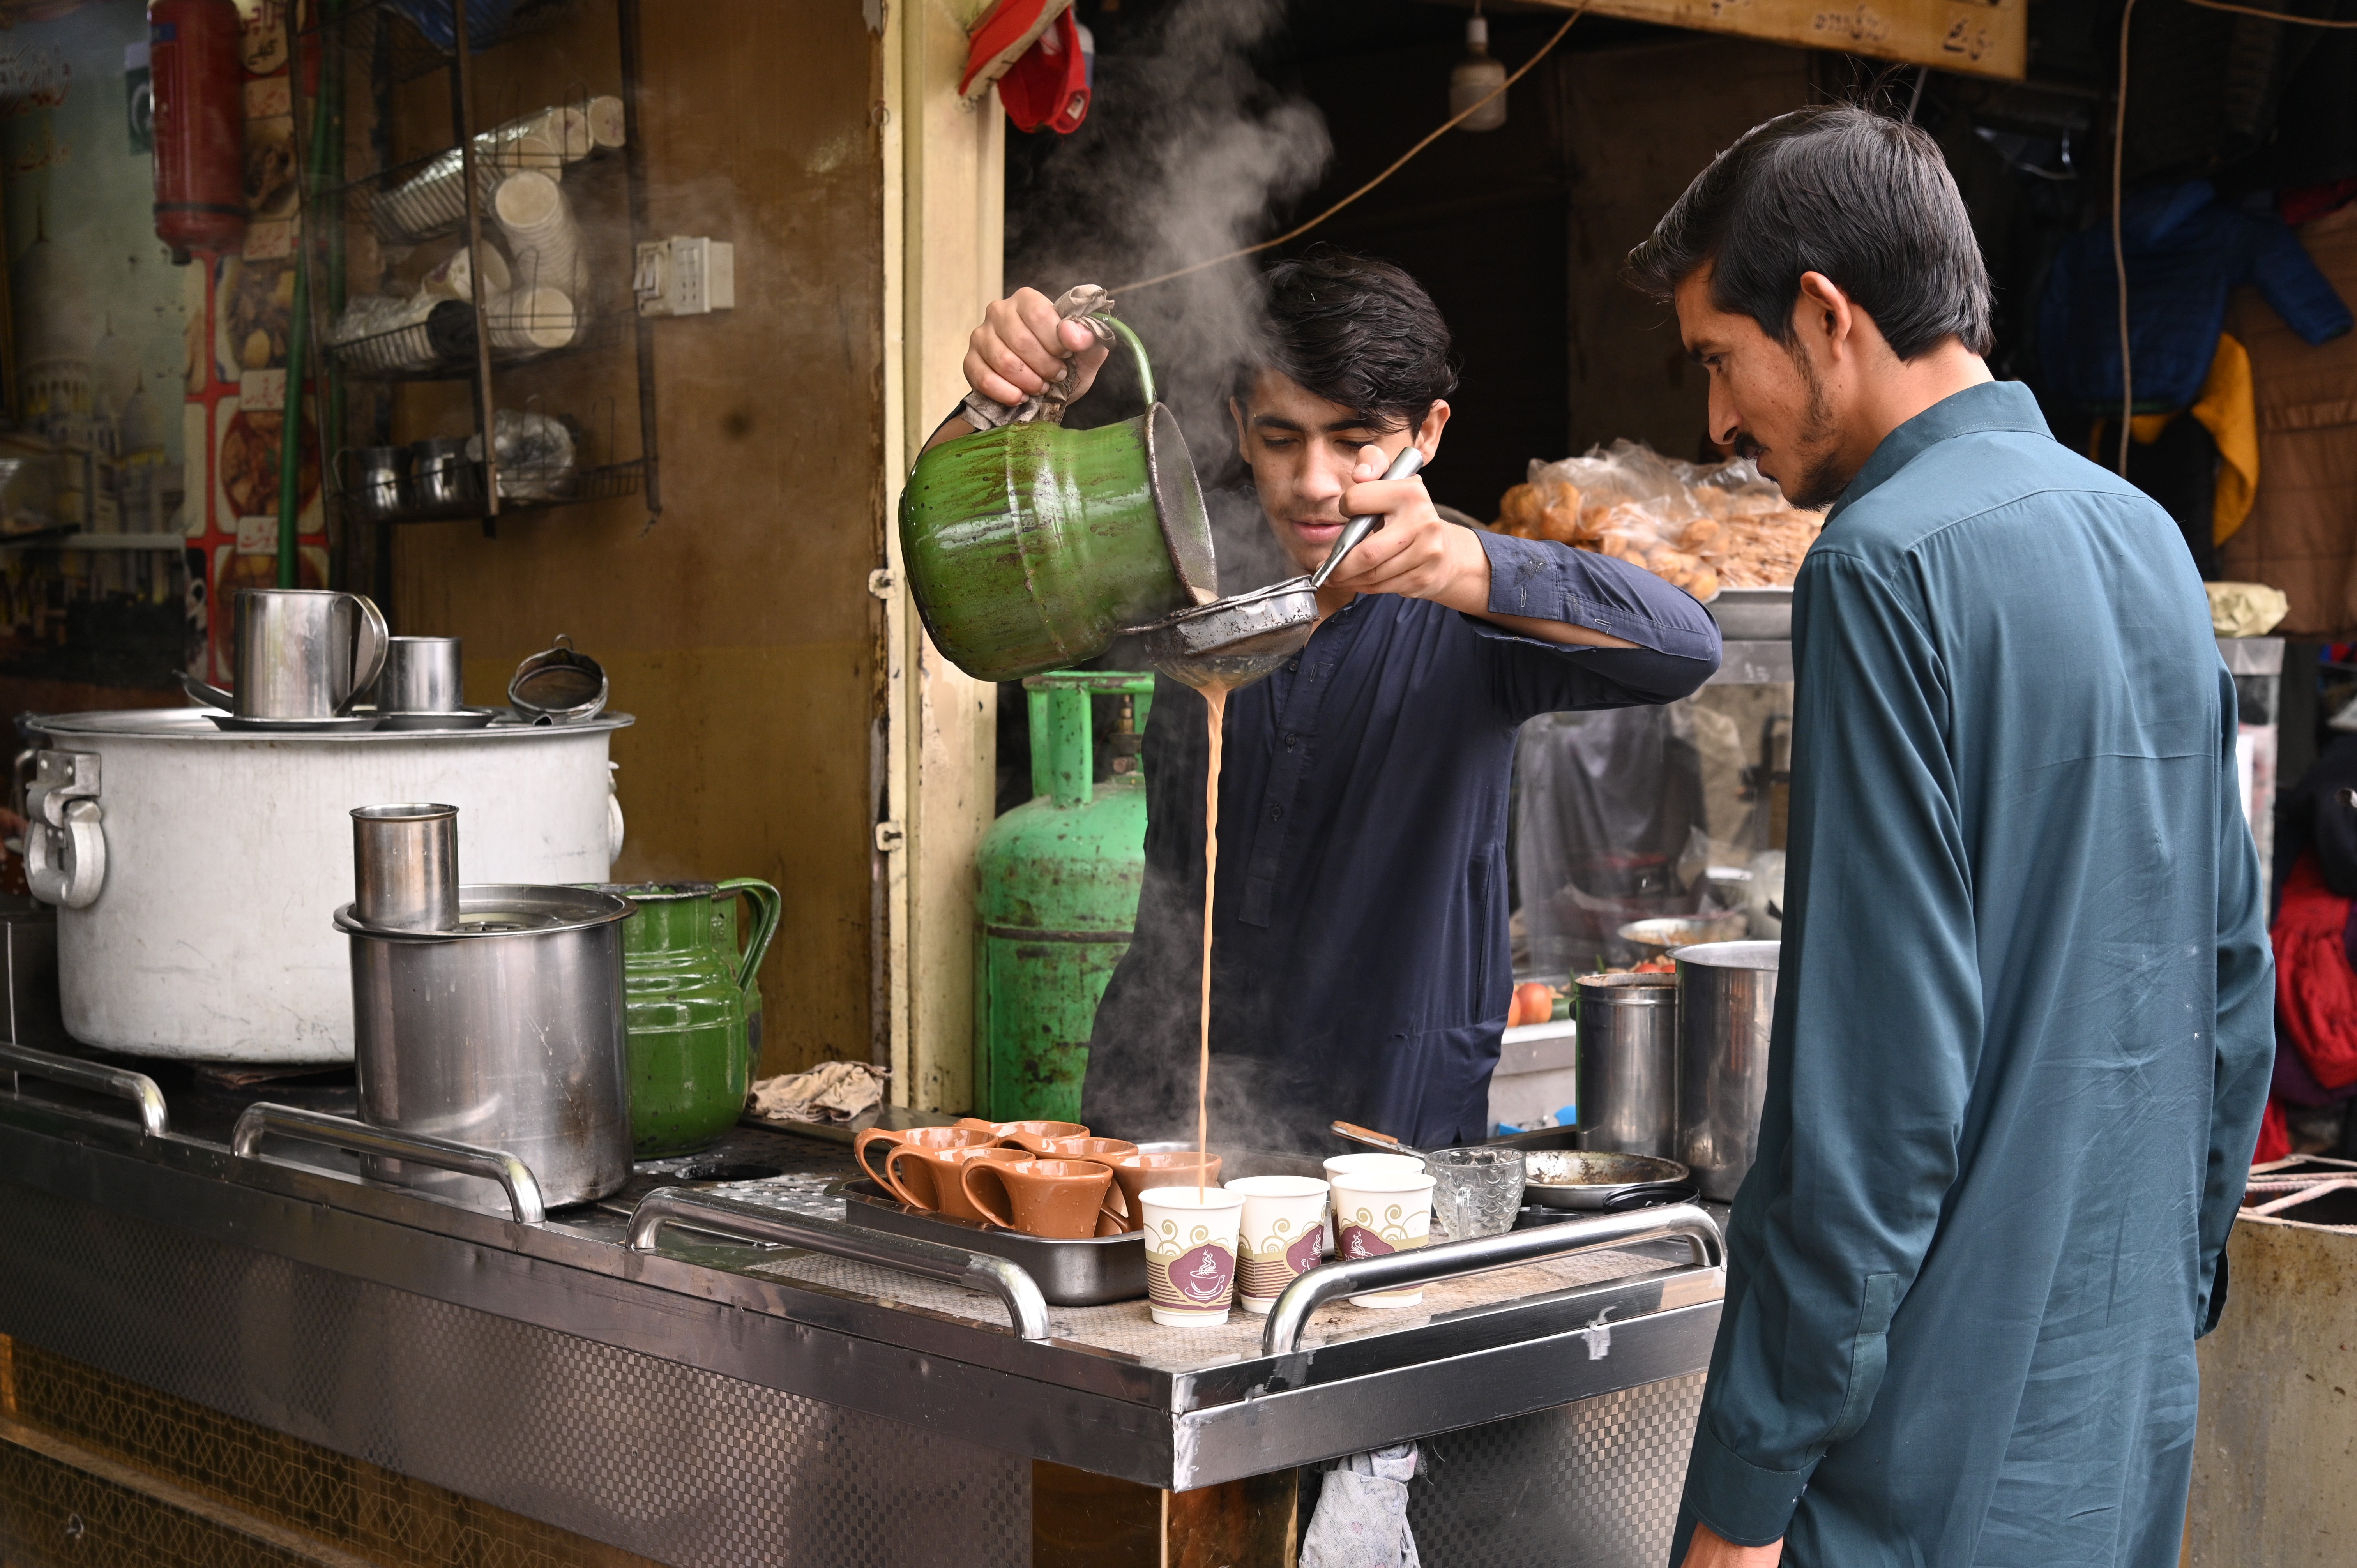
[1032,48]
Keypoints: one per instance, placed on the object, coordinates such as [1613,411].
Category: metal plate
[463,718]
[1592,1485]
[196,724]
[347,724]
[1091,1272]
[656,1458]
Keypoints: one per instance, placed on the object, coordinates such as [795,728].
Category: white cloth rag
[1362,1517]
[831,1091]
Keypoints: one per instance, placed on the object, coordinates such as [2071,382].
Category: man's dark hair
[1866,199]
[1359,332]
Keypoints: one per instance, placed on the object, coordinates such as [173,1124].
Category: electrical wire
[2119,149]
[1396,164]
[2269,15]
[2119,250]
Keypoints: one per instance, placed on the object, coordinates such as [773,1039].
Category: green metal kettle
[1056,888]
[690,1003]
[1030,547]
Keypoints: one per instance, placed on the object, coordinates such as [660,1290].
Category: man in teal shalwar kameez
[2023,1029]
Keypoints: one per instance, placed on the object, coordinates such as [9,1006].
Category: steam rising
[1183,158]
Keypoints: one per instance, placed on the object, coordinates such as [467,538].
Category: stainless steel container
[405,867]
[304,653]
[1628,1072]
[506,1033]
[422,675]
[1727,1001]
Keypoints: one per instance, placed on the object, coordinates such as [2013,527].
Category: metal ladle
[1235,641]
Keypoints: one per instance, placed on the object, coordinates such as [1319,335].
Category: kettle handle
[768,905]
[370,641]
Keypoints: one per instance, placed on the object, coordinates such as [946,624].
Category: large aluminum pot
[509,1033]
[1726,1000]
[1627,1074]
[198,872]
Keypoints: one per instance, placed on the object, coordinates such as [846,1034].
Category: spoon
[1376,1140]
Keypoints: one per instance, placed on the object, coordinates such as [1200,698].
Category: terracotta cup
[1055,1198]
[1027,1134]
[1104,1150]
[957,1137]
[929,1178]
[1168,1167]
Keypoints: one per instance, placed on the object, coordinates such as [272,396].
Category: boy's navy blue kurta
[2022,1036]
[1360,966]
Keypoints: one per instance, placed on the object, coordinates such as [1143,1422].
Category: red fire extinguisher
[198,84]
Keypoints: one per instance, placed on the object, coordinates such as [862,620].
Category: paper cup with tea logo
[1377,1213]
[1282,1236]
[1190,1253]
[1340,1166]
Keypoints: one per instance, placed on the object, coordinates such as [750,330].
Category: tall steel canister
[1628,1071]
[1727,1001]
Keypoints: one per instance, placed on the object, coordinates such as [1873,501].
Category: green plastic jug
[1030,547]
[690,1001]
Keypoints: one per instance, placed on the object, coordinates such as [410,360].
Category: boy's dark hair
[1359,332]
[1866,199]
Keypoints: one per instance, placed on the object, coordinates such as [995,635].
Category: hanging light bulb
[1477,75]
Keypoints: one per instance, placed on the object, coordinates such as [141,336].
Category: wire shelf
[441,347]
[416,35]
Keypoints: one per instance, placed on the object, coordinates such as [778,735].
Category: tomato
[1533,1003]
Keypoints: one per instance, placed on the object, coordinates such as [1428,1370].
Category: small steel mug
[405,867]
[444,480]
[421,676]
[304,654]
[372,482]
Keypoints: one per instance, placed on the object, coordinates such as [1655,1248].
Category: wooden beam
[1976,37]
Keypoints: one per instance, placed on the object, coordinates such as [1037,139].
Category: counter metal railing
[1027,1309]
[1453,1259]
[122,1082]
[264,1119]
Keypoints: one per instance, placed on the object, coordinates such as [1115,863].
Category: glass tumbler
[1478,1191]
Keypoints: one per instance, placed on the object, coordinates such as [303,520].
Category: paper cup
[1282,1235]
[1190,1254]
[541,234]
[453,277]
[606,122]
[1377,1213]
[1343,1164]
[531,319]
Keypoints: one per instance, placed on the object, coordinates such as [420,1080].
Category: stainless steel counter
[718,1401]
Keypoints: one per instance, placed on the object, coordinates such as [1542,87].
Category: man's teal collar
[1992,405]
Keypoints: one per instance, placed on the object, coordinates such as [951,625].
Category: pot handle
[1452,1259]
[768,905]
[65,830]
[1027,1309]
[370,641]
[359,1138]
[135,1087]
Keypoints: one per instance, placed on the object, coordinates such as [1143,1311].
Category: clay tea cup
[958,1137]
[929,1178]
[1059,1200]
[1027,1134]
[1104,1150]
[1137,1173]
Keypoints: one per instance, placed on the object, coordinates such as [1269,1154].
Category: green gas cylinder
[1058,879]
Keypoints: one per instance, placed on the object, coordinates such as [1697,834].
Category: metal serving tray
[1088,1272]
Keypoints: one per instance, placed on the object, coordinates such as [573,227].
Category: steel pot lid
[1585,1167]
[1731,955]
[500,909]
[196,724]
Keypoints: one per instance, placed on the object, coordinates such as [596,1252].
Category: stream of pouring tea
[1215,699]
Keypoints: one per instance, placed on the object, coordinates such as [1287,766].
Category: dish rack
[492,314]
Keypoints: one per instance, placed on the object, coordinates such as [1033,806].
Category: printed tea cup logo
[1202,1275]
[1358,1241]
[1302,1256]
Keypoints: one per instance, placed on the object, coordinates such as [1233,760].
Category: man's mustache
[1746,448]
